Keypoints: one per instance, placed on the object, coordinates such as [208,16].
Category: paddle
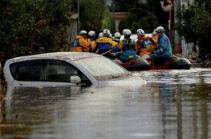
[106,52]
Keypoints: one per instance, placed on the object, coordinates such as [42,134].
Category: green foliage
[147,22]
[107,20]
[147,15]
[33,26]
[125,5]
[196,25]
[155,8]
[91,14]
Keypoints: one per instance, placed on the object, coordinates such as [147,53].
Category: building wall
[181,47]
[71,33]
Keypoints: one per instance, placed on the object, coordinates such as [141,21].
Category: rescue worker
[127,46]
[105,44]
[153,41]
[91,39]
[80,43]
[142,44]
[117,37]
[163,50]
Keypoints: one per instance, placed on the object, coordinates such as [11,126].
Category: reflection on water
[173,104]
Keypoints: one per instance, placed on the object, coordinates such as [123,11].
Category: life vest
[128,44]
[117,41]
[81,45]
[128,50]
[76,45]
[142,50]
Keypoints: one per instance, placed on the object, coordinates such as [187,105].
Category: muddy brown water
[175,104]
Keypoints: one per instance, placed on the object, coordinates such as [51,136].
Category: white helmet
[100,35]
[126,32]
[123,31]
[91,33]
[106,32]
[160,29]
[110,35]
[140,32]
[117,35]
[154,32]
[83,32]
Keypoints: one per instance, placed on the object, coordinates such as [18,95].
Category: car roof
[73,56]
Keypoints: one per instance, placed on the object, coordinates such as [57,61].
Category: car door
[30,70]
[61,71]
[45,72]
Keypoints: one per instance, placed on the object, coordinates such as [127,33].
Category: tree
[196,25]
[108,21]
[125,5]
[91,14]
[139,18]
[147,15]
[31,27]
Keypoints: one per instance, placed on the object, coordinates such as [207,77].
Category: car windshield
[102,68]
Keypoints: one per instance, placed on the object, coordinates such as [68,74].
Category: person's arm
[163,46]
[96,48]
[84,43]
[113,44]
[120,46]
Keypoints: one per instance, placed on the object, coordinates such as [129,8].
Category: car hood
[131,81]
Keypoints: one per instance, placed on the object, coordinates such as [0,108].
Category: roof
[57,55]
[120,15]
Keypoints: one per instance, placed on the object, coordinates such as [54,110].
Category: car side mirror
[75,79]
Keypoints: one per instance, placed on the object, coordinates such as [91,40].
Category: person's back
[93,44]
[142,44]
[105,44]
[127,47]
[117,48]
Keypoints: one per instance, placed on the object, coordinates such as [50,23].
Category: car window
[102,68]
[27,70]
[59,71]
[45,70]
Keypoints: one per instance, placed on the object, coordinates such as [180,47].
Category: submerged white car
[67,68]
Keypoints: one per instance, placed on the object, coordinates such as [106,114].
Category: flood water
[174,104]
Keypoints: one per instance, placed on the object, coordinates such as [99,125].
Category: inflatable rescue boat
[156,63]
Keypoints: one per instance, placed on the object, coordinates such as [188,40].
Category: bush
[33,26]
[196,25]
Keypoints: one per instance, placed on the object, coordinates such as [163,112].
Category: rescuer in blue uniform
[163,50]
[126,47]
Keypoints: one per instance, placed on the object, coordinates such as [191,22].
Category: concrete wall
[71,33]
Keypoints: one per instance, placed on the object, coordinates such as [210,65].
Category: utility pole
[167,7]
[170,23]
[78,23]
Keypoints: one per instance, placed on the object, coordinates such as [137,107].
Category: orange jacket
[85,45]
[153,45]
[140,43]
[107,40]
[120,45]
[93,44]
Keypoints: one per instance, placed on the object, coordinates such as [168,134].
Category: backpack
[76,43]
